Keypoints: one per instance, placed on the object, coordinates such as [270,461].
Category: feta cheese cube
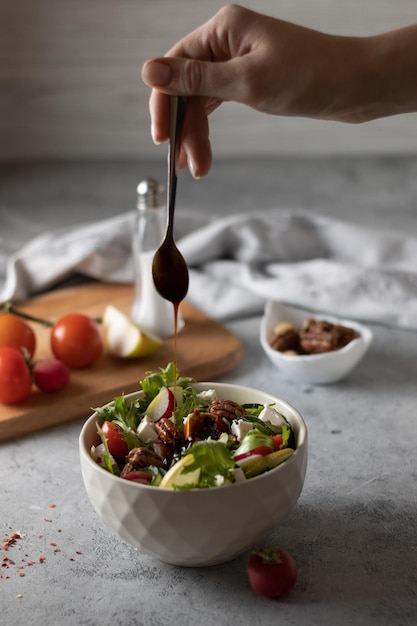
[270,416]
[146,430]
[208,396]
[240,428]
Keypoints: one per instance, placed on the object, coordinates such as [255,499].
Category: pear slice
[124,338]
[263,463]
[177,477]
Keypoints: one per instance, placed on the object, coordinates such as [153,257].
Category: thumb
[189,77]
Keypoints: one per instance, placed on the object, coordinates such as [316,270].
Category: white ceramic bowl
[325,368]
[202,526]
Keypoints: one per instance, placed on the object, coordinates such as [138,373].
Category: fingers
[204,68]
[159,111]
[206,85]
[195,138]
[192,77]
[195,143]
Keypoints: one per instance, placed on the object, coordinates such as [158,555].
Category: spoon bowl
[170,271]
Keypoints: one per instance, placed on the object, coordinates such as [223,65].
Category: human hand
[277,68]
[237,56]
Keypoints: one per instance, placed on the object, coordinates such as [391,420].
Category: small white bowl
[202,526]
[325,368]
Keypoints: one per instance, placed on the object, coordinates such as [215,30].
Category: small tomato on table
[76,340]
[15,376]
[16,333]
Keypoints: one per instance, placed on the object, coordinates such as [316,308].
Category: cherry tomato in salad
[115,440]
[76,340]
[50,375]
[272,572]
[277,440]
[16,333]
[15,376]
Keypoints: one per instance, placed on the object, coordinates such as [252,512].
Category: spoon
[169,269]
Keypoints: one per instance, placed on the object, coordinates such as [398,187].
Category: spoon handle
[177,113]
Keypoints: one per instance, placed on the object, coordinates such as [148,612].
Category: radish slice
[162,405]
[246,456]
[138,477]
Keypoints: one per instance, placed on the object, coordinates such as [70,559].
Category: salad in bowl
[175,436]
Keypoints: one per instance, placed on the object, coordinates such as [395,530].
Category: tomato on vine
[76,340]
[16,333]
[15,376]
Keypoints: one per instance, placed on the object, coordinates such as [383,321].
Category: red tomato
[15,376]
[76,340]
[277,441]
[272,572]
[16,333]
[115,440]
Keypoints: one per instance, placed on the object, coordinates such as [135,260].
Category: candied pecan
[285,338]
[346,335]
[167,431]
[141,457]
[165,451]
[226,409]
[199,425]
[317,336]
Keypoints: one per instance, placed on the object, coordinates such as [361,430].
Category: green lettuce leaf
[254,439]
[213,458]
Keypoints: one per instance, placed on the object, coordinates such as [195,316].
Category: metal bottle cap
[149,194]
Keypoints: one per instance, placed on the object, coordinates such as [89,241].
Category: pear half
[124,338]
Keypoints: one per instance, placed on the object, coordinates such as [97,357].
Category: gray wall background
[70,83]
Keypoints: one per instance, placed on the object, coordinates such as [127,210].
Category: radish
[177,391]
[240,459]
[138,477]
[162,405]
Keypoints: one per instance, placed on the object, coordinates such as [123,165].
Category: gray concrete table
[353,532]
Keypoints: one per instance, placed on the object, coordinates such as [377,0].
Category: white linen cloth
[238,262]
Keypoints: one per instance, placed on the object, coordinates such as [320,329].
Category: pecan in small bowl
[312,347]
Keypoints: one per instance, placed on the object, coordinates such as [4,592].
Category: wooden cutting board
[205,351]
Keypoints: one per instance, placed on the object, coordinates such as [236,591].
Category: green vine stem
[9,307]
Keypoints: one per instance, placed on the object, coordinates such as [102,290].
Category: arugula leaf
[191,401]
[167,377]
[107,457]
[213,458]
[122,411]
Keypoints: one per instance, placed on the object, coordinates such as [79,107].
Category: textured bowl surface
[202,526]
[325,368]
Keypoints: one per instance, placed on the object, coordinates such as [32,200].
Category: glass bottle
[150,311]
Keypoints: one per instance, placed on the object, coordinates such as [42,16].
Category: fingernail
[192,168]
[156,73]
[156,142]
